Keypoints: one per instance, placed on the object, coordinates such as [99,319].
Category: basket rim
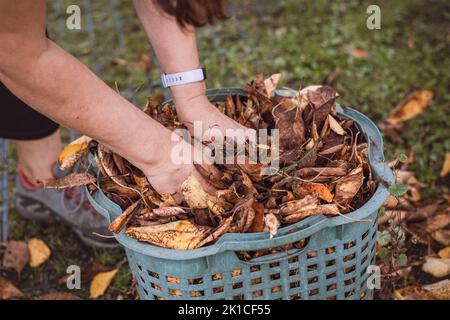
[259,240]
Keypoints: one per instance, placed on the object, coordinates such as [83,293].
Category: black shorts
[21,122]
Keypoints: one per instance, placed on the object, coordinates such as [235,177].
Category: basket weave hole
[331,275]
[216,277]
[349,293]
[274,264]
[237,285]
[275,276]
[313,280]
[197,293]
[275,289]
[331,298]
[236,272]
[155,286]
[311,254]
[349,257]
[293,272]
[313,292]
[293,259]
[330,262]
[255,281]
[257,293]
[331,287]
[238,297]
[364,235]
[153,274]
[330,250]
[175,292]
[172,280]
[364,259]
[349,245]
[312,267]
[296,296]
[195,281]
[349,269]
[349,281]
[294,284]
[255,268]
[218,290]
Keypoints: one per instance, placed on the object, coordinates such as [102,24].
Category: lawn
[304,40]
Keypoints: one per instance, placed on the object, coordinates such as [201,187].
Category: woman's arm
[176,49]
[56,84]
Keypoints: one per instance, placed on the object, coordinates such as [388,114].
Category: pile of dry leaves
[324,170]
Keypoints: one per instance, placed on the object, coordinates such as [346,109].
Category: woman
[45,86]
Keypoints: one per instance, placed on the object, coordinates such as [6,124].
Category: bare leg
[37,156]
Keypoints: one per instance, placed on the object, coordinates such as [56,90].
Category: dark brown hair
[193,12]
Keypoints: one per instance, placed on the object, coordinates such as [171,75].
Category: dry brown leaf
[194,194]
[258,221]
[359,53]
[182,234]
[73,152]
[38,251]
[446,166]
[325,209]
[411,106]
[435,291]
[335,126]
[444,253]
[168,211]
[72,180]
[270,84]
[57,296]
[442,236]
[121,221]
[101,282]
[218,232]
[8,290]
[16,255]
[438,268]
[437,222]
[315,189]
[348,186]
[272,224]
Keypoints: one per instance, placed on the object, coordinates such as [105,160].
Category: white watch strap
[176,79]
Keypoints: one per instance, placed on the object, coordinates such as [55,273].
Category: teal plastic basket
[332,264]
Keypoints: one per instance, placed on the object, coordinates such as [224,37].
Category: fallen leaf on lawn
[359,53]
[272,224]
[335,126]
[16,255]
[121,221]
[411,106]
[437,222]
[145,62]
[444,253]
[101,282]
[72,180]
[194,194]
[442,236]
[57,296]
[347,187]
[8,290]
[315,189]
[182,234]
[446,166]
[438,268]
[270,84]
[436,291]
[73,152]
[38,251]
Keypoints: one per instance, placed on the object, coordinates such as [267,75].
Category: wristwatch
[176,79]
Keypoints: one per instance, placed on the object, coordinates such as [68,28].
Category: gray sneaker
[69,206]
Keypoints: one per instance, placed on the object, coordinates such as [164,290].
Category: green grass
[306,41]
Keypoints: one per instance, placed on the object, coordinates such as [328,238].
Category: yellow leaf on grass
[194,194]
[181,234]
[73,152]
[446,166]
[101,282]
[413,105]
[39,252]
